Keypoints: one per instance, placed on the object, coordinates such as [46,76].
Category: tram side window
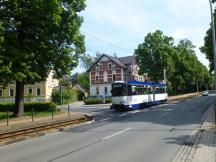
[129,90]
[160,90]
[140,90]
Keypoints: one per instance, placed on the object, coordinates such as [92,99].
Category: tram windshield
[118,89]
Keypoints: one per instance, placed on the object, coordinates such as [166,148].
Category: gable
[104,59]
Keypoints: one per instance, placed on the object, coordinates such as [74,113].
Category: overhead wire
[100,39]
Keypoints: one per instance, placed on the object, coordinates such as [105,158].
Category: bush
[91,100]
[36,106]
[68,96]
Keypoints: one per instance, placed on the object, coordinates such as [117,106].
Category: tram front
[119,92]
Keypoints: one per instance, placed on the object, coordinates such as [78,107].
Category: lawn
[3,115]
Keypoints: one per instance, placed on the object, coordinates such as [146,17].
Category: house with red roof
[108,69]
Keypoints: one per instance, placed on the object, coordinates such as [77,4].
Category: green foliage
[65,82]
[39,36]
[67,96]
[36,106]
[207,48]
[83,80]
[185,73]
[153,55]
[87,60]
[90,101]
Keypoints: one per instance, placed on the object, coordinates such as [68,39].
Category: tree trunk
[19,101]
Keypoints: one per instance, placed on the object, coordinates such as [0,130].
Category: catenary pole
[213,42]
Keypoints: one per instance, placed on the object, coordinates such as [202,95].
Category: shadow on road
[184,114]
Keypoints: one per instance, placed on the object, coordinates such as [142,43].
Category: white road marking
[122,114]
[104,119]
[133,112]
[105,138]
[166,113]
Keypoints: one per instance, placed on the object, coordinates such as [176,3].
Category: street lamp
[213,41]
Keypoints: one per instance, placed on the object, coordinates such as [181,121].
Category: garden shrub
[68,96]
[90,100]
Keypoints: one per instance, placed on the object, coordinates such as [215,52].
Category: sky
[118,26]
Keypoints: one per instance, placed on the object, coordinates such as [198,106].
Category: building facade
[37,92]
[108,69]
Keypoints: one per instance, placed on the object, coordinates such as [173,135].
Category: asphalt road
[153,134]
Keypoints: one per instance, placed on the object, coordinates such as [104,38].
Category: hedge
[90,101]
[36,106]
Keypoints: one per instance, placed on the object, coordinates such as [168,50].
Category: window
[105,90]
[11,93]
[110,66]
[96,68]
[114,77]
[105,76]
[113,67]
[30,91]
[97,90]
[1,93]
[38,92]
[100,66]
[97,80]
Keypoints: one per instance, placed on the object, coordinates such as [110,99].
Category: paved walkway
[201,145]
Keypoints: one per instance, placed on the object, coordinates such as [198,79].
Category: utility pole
[164,71]
[213,42]
[165,80]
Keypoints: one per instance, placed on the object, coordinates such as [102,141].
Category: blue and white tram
[136,94]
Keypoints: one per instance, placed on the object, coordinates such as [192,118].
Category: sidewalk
[201,145]
[184,96]
[24,122]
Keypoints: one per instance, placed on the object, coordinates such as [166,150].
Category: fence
[6,118]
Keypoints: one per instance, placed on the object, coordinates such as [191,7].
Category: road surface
[153,134]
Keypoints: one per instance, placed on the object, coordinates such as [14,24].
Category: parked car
[205,93]
[102,96]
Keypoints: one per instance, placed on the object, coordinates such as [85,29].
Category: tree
[153,55]
[65,82]
[185,73]
[74,78]
[86,61]
[39,36]
[83,80]
[207,48]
